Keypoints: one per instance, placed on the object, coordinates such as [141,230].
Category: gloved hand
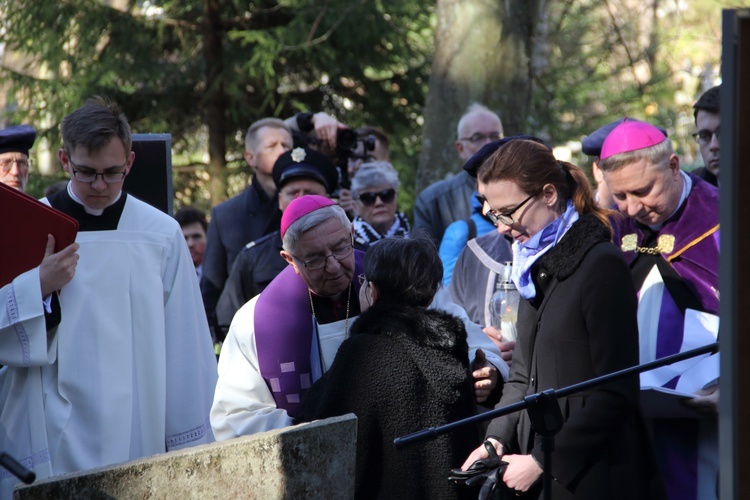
[488,472]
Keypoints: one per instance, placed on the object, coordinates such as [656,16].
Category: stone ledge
[312,460]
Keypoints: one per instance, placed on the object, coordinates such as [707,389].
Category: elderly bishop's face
[326,241]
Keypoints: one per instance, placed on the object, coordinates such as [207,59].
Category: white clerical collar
[89,210]
[687,185]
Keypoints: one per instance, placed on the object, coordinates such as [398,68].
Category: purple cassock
[695,258]
[284,332]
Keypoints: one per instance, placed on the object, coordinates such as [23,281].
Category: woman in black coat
[577,322]
[403,369]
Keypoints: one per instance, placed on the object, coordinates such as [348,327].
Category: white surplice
[130,370]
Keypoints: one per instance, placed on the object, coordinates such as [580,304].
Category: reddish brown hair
[531,166]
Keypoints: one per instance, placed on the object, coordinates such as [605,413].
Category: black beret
[472,164]
[18,138]
[592,144]
[305,163]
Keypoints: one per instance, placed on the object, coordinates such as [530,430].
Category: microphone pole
[16,468]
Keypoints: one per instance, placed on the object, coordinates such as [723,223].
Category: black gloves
[487,472]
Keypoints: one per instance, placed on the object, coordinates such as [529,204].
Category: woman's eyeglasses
[369,199]
[507,217]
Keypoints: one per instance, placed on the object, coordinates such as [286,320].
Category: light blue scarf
[526,254]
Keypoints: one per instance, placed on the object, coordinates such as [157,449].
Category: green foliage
[364,62]
[598,60]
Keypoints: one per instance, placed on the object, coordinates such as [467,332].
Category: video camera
[347,142]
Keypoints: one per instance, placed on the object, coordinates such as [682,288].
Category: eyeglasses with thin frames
[505,218]
[480,137]
[317,263]
[704,136]
[22,163]
[91,175]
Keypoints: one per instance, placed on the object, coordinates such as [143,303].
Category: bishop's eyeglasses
[320,262]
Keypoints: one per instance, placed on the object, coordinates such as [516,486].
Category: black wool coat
[582,324]
[403,369]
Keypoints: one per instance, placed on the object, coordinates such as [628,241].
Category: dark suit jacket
[234,223]
[587,328]
[707,176]
[444,202]
[255,267]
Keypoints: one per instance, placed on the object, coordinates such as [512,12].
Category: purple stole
[283,336]
[695,257]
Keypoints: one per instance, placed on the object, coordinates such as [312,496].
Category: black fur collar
[424,327]
[562,260]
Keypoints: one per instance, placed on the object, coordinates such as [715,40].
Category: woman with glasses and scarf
[375,189]
[577,321]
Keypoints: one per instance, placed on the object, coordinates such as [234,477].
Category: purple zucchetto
[631,135]
[299,207]
[591,145]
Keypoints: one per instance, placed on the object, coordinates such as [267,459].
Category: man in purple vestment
[670,235]
[284,339]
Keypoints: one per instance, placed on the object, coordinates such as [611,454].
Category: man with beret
[284,339]
[592,146]
[15,143]
[708,123]
[245,217]
[670,239]
[296,173]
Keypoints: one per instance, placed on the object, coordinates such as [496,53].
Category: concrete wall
[314,460]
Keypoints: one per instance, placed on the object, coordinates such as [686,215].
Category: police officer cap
[18,138]
[592,144]
[308,164]
[472,164]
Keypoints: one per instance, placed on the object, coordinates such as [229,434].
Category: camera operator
[349,148]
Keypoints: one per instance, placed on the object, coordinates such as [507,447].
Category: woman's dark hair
[531,165]
[406,271]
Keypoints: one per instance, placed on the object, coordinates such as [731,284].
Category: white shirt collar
[89,210]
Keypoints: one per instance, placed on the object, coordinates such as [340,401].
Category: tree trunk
[215,99]
[482,54]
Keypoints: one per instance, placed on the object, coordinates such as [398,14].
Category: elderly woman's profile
[402,369]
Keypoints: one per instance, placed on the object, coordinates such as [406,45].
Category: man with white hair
[449,200]
[670,239]
[284,339]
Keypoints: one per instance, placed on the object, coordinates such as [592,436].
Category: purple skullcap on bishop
[592,143]
[631,135]
[302,206]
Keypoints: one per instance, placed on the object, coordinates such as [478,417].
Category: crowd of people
[320,298]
